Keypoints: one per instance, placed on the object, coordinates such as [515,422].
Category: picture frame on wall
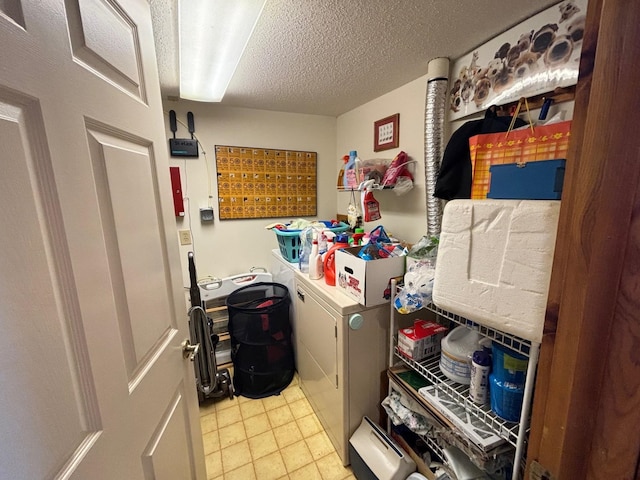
[536,56]
[386,133]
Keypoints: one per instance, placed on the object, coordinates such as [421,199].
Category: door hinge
[538,472]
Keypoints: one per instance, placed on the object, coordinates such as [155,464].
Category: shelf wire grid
[513,342]
[430,369]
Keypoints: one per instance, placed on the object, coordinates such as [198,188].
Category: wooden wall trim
[586,414]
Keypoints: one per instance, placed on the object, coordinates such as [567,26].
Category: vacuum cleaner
[210,382]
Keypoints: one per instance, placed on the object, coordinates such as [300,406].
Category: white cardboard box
[422,340]
[367,282]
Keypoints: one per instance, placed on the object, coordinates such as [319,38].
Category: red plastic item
[176,188]
[330,263]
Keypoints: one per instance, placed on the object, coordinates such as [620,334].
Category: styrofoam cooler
[375,456]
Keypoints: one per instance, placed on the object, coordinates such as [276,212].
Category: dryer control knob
[355,321]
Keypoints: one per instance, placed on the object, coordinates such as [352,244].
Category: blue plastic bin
[532,181]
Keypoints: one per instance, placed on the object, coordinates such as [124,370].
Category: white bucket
[457,350]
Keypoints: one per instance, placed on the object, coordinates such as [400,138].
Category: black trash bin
[260,331]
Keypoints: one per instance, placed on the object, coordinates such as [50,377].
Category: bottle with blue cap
[350,179]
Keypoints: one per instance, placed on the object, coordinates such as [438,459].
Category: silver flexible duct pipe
[434,118]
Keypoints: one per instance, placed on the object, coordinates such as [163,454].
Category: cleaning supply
[315,260]
[356,238]
[480,368]
[350,178]
[370,206]
[329,265]
[306,238]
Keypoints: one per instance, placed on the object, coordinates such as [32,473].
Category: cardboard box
[422,340]
[367,282]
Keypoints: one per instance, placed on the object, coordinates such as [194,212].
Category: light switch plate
[185,237]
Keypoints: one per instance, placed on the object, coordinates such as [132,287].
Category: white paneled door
[93,384]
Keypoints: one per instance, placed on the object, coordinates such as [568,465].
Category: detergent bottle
[350,179]
[329,267]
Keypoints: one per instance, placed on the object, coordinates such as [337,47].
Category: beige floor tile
[331,468]
[211,442]
[231,434]
[228,416]
[296,456]
[235,456]
[214,465]
[243,473]
[285,477]
[207,407]
[256,425]
[225,402]
[270,467]
[251,409]
[262,445]
[319,445]
[221,477]
[242,399]
[308,472]
[292,393]
[287,434]
[279,416]
[309,425]
[274,401]
[300,408]
[208,422]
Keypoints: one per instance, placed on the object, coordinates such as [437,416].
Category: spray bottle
[315,260]
[370,206]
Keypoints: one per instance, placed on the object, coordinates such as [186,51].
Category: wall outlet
[185,237]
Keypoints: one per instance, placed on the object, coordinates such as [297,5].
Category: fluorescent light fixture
[213,36]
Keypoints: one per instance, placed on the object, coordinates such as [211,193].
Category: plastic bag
[403,185]
[418,287]
[427,247]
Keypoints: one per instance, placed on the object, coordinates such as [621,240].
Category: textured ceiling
[327,57]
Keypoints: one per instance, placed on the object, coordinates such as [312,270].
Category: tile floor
[272,438]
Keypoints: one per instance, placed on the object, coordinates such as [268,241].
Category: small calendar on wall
[264,183]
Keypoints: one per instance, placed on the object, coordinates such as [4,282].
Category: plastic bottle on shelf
[315,260]
[479,384]
[350,179]
[329,266]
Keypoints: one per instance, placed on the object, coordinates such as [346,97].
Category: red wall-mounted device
[176,189]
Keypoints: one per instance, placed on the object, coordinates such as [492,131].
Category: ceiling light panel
[213,36]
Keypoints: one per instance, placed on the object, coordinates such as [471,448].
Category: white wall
[403,216]
[228,247]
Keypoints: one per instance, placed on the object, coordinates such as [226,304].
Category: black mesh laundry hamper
[261,349]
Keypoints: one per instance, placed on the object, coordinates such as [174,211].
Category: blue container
[506,398]
[289,240]
[507,365]
[531,181]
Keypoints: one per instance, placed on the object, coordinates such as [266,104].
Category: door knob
[189,350]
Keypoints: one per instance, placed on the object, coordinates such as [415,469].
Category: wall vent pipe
[434,126]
